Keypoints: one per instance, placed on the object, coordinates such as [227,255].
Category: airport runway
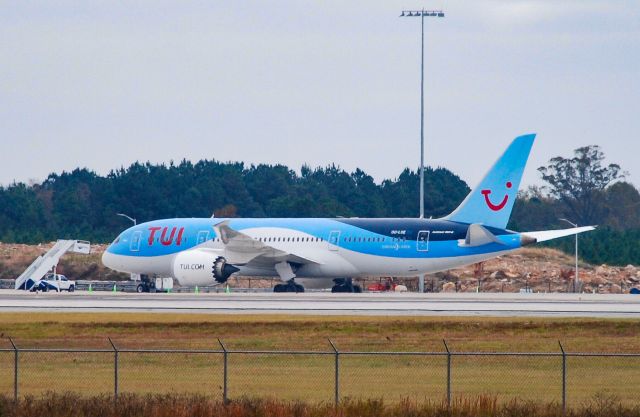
[387,304]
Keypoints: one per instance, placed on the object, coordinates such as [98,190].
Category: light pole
[134,277]
[130,218]
[422,14]
[576,279]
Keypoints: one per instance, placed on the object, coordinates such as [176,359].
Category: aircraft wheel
[299,288]
[340,288]
[279,288]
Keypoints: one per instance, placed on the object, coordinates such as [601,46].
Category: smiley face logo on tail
[496,207]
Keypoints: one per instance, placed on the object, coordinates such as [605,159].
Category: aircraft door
[334,240]
[422,244]
[136,238]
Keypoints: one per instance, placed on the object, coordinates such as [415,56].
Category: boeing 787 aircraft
[323,253]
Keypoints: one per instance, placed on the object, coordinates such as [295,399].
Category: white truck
[55,282]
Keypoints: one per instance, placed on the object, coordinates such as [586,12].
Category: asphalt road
[407,304]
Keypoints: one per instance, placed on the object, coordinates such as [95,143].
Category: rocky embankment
[540,270]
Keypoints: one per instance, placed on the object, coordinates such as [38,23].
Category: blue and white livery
[330,252]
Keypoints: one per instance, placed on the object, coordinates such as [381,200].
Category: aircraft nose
[107,258]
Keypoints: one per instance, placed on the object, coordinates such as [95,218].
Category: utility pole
[422,14]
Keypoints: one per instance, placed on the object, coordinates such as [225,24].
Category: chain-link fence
[568,378]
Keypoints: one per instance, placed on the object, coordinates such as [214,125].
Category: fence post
[564,378]
[15,371]
[225,354]
[115,371]
[337,373]
[448,373]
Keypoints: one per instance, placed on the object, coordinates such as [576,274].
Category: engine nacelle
[197,267]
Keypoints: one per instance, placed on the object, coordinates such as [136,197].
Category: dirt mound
[539,270]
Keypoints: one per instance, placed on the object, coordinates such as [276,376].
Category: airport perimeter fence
[568,378]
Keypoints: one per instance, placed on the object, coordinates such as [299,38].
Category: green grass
[311,377]
[305,332]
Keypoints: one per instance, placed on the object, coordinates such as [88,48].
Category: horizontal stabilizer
[543,235]
[478,235]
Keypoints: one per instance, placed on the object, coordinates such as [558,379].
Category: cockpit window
[117,240]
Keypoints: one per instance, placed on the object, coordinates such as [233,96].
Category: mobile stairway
[45,263]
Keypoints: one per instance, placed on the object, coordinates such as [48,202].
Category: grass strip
[184,405]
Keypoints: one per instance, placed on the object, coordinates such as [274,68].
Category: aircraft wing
[543,235]
[241,249]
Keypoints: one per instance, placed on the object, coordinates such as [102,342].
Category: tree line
[83,205]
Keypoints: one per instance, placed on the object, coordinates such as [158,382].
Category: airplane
[331,252]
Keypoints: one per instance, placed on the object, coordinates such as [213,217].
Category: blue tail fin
[490,203]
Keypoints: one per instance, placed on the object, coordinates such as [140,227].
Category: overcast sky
[101,84]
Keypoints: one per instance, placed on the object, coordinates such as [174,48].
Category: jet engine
[197,267]
[222,270]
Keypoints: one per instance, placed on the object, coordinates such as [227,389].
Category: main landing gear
[345,285]
[146,284]
[289,286]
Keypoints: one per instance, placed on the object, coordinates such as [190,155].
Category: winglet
[222,231]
